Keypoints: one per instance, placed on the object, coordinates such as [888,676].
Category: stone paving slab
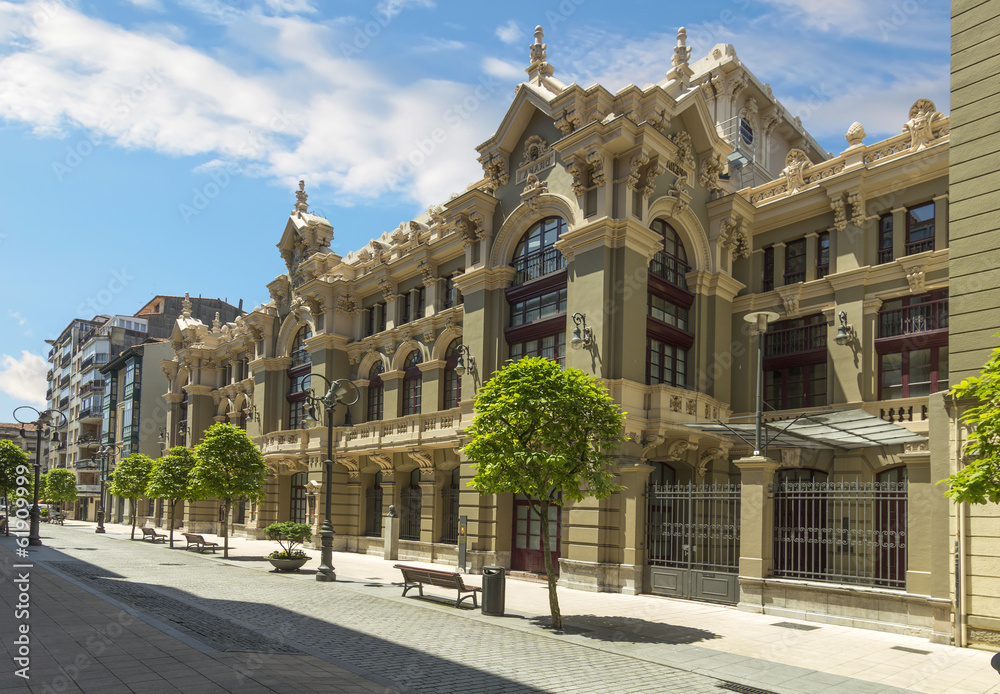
[614,643]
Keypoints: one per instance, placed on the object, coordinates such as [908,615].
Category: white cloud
[885,21]
[153,5]
[509,32]
[21,320]
[291,6]
[24,378]
[391,8]
[502,69]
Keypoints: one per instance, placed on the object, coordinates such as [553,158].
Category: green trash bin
[494,590]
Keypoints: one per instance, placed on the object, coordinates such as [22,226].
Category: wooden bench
[414,577]
[153,536]
[198,542]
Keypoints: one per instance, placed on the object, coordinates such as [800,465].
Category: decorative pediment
[796,163]
[920,126]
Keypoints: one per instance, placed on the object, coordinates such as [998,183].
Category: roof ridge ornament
[186,305]
[300,199]
[681,71]
[539,67]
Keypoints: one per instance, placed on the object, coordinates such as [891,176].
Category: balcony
[94,386]
[94,360]
[402,433]
[91,412]
[537,264]
[63,403]
[913,319]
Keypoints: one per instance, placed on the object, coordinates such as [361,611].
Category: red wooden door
[526,551]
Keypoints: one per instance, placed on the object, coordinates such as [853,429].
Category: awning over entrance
[828,429]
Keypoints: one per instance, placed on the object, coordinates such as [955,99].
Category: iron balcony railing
[669,269]
[917,318]
[920,246]
[537,264]
[792,340]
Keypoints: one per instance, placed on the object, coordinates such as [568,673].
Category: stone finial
[186,305]
[855,134]
[681,52]
[217,322]
[539,67]
[300,199]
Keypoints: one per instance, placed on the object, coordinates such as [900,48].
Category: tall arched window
[376,391]
[298,378]
[668,333]
[452,381]
[412,384]
[537,298]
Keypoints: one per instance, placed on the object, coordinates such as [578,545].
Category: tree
[11,458]
[60,486]
[289,536]
[130,479]
[979,481]
[170,479]
[228,466]
[545,432]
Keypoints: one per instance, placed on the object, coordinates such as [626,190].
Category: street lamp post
[760,319]
[338,391]
[44,419]
[103,453]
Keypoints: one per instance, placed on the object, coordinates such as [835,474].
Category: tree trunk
[550,573]
[173,508]
[134,504]
[225,529]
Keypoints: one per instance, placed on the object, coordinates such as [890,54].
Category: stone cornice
[271,364]
[196,389]
[328,341]
[481,278]
[718,284]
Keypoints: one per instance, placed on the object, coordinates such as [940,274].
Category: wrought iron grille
[537,264]
[693,526]
[409,522]
[373,513]
[841,532]
[449,503]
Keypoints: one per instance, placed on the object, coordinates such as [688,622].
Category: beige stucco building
[651,221]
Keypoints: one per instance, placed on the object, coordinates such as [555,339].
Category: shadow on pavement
[627,629]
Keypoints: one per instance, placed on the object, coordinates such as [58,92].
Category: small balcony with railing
[93,360]
[924,317]
[538,264]
[402,433]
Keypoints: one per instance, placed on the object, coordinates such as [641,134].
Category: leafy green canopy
[542,430]
[228,465]
[979,481]
[131,477]
[170,477]
[10,458]
[60,486]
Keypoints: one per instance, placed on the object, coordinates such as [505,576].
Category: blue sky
[154,146]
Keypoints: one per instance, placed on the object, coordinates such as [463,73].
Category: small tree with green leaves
[130,479]
[545,432]
[228,466]
[11,458]
[60,486]
[979,481]
[288,535]
[170,479]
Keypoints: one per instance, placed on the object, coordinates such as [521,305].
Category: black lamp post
[759,321]
[338,392]
[45,418]
[104,453]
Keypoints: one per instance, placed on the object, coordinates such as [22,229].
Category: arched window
[376,391]
[668,332]
[298,378]
[535,255]
[412,384]
[452,381]
[538,308]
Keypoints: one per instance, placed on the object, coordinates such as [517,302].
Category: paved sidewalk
[613,642]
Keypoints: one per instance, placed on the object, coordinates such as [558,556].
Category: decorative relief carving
[578,170]
[855,134]
[839,214]
[351,463]
[384,462]
[568,121]
[425,459]
[427,272]
[649,442]
[387,288]
[707,457]
[711,168]
[735,237]
[796,162]
[678,449]
[533,188]
[497,169]
[857,208]
[636,165]
[923,115]
[348,303]
[790,298]
[596,161]
[871,306]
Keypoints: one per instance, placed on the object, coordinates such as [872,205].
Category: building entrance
[526,549]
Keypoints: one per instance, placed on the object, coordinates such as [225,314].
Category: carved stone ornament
[578,170]
[711,168]
[796,163]
[839,214]
[681,52]
[365,255]
[348,303]
[772,120]
[425,459]
[707,457]
[533,188]
[735,237]
[427,272]
[677,449]
[400,235]
[790,298]
[855,134]
[384,462]
[636,165]
[497,170]
[685,148]
[677,191]
[923,114]
[857,204]
[567,121]
[300,199]
[436,215]
[534,148]
[388,291]
[649,442]
[915,276]
[737,85]
[659,119]
[596,161]
[351,463]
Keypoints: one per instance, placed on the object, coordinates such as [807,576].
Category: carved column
[756,529]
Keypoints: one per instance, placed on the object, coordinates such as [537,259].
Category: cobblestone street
[260,620]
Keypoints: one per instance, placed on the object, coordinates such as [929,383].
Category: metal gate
[693,541]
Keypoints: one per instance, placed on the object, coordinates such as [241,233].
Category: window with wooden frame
[912,346]
[535,255]
[822,254]
[452,381]
[795,261]
[298,378]
[537,298]
[376,392]
[885,254]
[920,228]
[668,336]
[412,385]
[795,358]
[768,274]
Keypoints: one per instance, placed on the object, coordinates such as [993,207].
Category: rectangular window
[795,261]
[666,363]
[885,239]
[670,313]
[795,387]
[537,308]
[768,269]
[920,228]
[405,313]
[823,255]
[913,373]
[913,315]
[551,347]
[795,336]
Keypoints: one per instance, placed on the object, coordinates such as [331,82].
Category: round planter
[288,564]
